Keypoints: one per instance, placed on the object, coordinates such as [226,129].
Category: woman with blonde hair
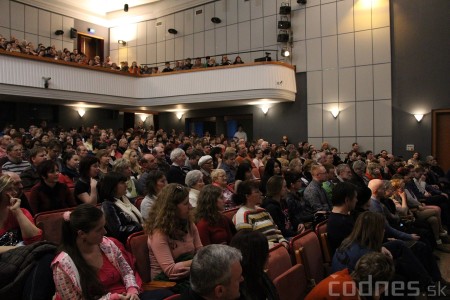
[17,224]
[173,238]
[133,158]
[212,225]
[123,166]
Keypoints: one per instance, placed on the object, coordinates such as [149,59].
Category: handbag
[10,238]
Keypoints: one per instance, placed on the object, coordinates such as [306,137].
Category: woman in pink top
[173,238]
[90,265]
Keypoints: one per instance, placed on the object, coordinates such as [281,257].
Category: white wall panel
[42,39]
[330,124]
[44,23]
[330,86]
[31,20]
[243,11]
[18,34]
[232,38]
[365,143]
[299,57]
[179,48]
[210,43]
[313,54]
[17,16]
[199,44]
[314,87]
[132,55]
[189,46]
[329,52]
[68,23]
[313,22]
[4,15]
[316,142]
[160,52]
[383,117]
[346,84]
[221,43]
[170,23]
[270,8]
[364,83]
[70,46]
[123,55]
[270,30]
[220,11]
[382,143]
[141,33]
[151,53]
[160,30]
[257,35]
[113,38]
[328,18]
[114,55]
[151,31]
[232,12]
[256,9]
[170,50]
[199,19]
[6,32]
[362,15]
[142,54]
[382,81]
[57,43]
[380,14]
[56,24]
[381,45]
[298,22]
[188,21]
[347,119]
[312,3]
[327,1]
[179,23]
[209,13]
[130,30]
[364,118]
[363,47]
[346,50]
[33,38]
[345,144]
[345,16]
[244,36]
[315,120]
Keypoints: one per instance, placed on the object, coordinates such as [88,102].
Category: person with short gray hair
[176,173]
[194,181]
[216,273]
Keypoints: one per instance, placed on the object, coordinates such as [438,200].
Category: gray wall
[283,118]
[420,69]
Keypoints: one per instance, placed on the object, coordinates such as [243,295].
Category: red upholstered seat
[50,222]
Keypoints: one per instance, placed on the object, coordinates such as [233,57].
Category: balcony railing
[22,75]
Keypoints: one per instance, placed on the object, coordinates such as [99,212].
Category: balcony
[236,85]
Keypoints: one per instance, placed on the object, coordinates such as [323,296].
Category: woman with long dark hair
[86,187]
[255,253]
[91,266]
[273,167]
[155,182]
[213,227]
[69,173]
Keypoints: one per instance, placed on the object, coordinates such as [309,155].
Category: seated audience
[272,167]
[69,174]
[29,176]
[122,217]
[315,196]
[156,181]
[86,187]
[219,179]
[104,166]
[176,174]
[213,227]
[49,193]
[194,181]
[173,238]
[206,166]
[251,216]
[255,253]
[238,60]
[216,273]
[123,167]
[91,266]
[133,157]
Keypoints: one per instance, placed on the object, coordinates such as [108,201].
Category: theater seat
[50,222]
[173,297]
[279,261]
[138,202]
[321,231]
[230,213]
[137,245]
[306,248]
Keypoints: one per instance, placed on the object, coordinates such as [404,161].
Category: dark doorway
[90,45]
[441,137]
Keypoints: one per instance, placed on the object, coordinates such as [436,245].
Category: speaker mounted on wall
[283,36]
[73,33]
[216,20]
[285,9]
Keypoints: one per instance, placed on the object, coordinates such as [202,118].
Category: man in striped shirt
[13,161]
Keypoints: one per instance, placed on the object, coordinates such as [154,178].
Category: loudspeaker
[172,31]
[301,1]
[59,32]
[125,8]
[73,33]
[283,36]
[285,9]
[284,23]
[216,20]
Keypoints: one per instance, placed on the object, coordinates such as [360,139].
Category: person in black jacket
[276,206]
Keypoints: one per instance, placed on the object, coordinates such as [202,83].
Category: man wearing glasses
[13,161]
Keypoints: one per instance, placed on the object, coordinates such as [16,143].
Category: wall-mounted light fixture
[122,42]
[265,109]
[81,112]
[143,117]
[59,32]
[418,117]
[91,30]
[179,115]
[172,31]
[285,52]
[301,2]
[335,112]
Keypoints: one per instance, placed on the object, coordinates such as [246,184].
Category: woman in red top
[213,227]
[14,221]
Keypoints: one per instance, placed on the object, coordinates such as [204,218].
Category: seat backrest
[137,245]
[279,261]
[321,231]
[50,222]
[307,248]
[230,213]
[173,297]
[321,227]
[138,202]
[292,284]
